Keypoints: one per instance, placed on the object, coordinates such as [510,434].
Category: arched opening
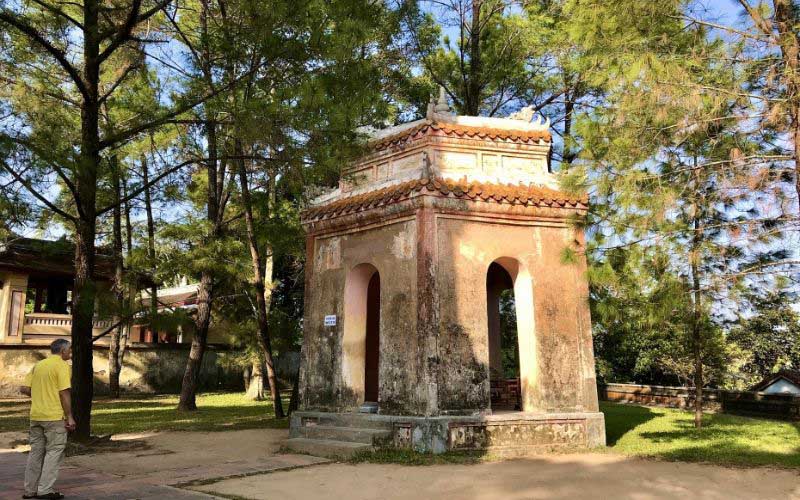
[509,301]
[361,342]
[372,341]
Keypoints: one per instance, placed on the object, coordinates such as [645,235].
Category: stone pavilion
[406,264]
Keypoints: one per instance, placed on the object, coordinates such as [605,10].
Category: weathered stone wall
[391,249]
[561,375]
[153,369]
[433,261]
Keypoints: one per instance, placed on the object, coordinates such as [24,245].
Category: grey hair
[59,345]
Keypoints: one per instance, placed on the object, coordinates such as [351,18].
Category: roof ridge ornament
[527,114]
[439,106]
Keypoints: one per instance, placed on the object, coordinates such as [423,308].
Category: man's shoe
[29,496]
[51,496]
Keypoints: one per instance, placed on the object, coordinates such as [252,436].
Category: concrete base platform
[328,448]
[507,433]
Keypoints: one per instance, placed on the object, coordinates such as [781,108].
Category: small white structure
[783,382]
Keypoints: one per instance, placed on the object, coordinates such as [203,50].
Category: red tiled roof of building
[509,193]
[451,130]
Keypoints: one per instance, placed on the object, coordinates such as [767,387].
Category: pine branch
[55,166]
[153,181]
[127,134]
[17,22]
[124,33]
[59,12]
[36,193]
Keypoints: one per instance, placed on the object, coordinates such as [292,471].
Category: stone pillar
[428,306]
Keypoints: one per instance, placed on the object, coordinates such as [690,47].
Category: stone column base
[506,433]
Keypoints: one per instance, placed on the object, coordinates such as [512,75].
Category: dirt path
[548,477]
[184,450]
[157,466]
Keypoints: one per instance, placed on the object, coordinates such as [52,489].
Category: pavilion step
[355,420]
[348,434]
[326,447]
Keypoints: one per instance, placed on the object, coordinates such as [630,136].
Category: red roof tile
[515,194]
[454,130]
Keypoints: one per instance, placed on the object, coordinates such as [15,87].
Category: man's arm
[66,405]
[24,389]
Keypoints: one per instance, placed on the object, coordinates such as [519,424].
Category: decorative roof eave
[498,193]
[443,129]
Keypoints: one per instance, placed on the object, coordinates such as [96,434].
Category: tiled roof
[455,130]
[173,300]
[509,193]
[792,376]
[50,257]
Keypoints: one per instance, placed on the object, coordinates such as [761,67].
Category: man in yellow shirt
[48,385]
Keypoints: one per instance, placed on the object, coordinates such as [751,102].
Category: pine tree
[62,63]
[664,163]
[310,75]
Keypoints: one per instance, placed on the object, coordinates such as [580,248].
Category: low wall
[147,368]
[782,406]
[658,395]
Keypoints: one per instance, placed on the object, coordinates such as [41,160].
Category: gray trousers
[48,440]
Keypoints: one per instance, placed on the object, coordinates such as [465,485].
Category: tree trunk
[785,21]
[263,295]
[246,372]
[132,290]
[796,140]
[294,400]
[472,97]
[114,361]
[191,374]
[84,291]
[83,299]
[255,387]
[697,333]
[205,290]
[569,108]
[151,250]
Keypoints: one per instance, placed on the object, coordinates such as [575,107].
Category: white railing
[58,324]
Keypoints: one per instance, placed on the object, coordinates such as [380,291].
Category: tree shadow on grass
[115,417]
[14,416]
[131,405]
[143,413]
[732,454]
[732,440]
[620,419]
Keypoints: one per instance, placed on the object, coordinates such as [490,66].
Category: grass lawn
[216,412]
[665,434]
[669,434]
[662,433]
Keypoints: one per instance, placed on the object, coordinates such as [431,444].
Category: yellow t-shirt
[47,378]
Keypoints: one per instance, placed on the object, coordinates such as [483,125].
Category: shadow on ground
[670,434]
[134,414]
[622,419]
